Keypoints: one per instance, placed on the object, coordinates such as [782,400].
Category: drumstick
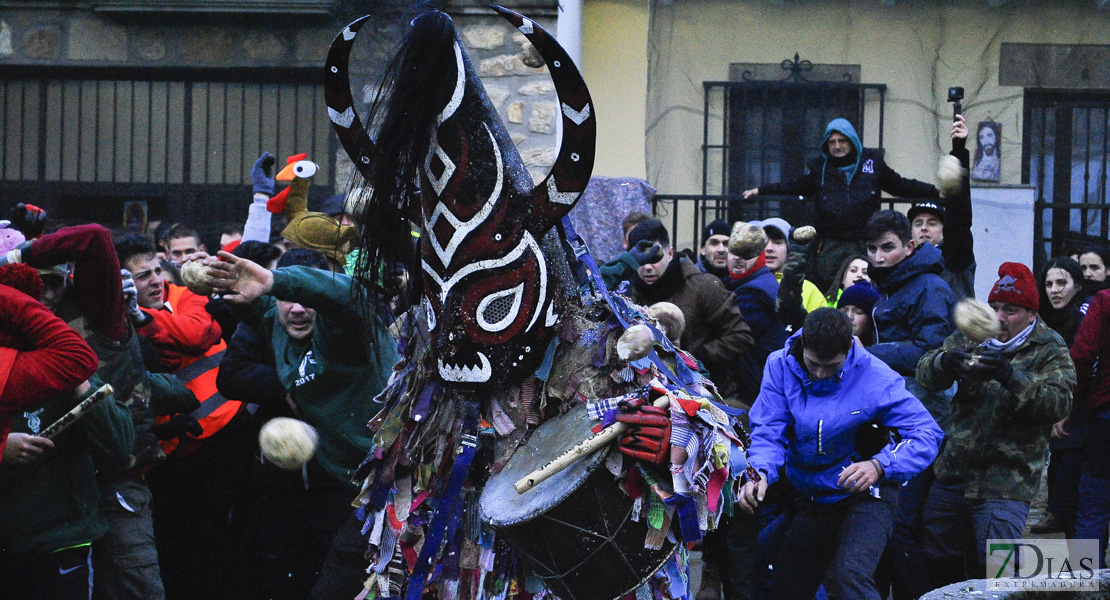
[77,412]
[583,448]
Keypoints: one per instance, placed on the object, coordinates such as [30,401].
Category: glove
[137,317]
[954,362]
[178,425]
[794,271]
[28,219]
[646,252]
[648,436]
[991,364]
[262,178]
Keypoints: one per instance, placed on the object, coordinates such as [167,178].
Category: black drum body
[576,528]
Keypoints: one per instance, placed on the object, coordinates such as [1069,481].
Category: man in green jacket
[49,498]
[333,365]
[1011,390]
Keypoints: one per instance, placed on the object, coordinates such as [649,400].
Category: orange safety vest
[199,375]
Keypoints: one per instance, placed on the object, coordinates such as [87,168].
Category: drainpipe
[569,27]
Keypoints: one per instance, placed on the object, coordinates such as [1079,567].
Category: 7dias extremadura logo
[1048,565]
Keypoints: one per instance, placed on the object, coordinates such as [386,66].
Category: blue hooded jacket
[914,311]
[843,127]
[847,196]
[813,435]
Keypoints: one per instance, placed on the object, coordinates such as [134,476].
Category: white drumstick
[583,448]
[77,412]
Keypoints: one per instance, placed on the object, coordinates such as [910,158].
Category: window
[766,126]
[1064,156]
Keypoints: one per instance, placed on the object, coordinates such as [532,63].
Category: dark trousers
[193,500]
[903,566]
[287,533]
[839,545]
[125,562]
[344,569]
[957,530]
[61,575]
[1065,468]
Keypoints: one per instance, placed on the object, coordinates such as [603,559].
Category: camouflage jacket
[997,442]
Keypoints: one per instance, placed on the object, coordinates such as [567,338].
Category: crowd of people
[889,445]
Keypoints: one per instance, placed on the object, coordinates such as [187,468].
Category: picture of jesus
[987,165]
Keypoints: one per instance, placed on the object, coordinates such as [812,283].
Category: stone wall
[91,44]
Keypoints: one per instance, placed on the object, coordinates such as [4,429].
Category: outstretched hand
[750,193]
[238,279]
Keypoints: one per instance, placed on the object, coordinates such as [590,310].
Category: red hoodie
[1091,349]
[40,356]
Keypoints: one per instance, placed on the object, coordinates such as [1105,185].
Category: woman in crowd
[1094,260]
[1063,304]
[853,269]
[1063,298]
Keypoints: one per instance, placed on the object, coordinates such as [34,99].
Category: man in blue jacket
[913,315]
[818,393]
[846,181]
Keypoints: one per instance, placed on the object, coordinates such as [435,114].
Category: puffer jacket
[914,311]
[847,196]
[755,297]
[998,436]
[814,436]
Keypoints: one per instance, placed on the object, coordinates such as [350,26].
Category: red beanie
[23,278]
[1016,286]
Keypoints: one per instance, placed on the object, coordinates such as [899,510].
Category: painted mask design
[489,291]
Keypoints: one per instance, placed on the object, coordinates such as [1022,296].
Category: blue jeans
[1094,512]
[957,530]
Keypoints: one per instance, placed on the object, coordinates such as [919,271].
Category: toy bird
[312,230]
[299,172]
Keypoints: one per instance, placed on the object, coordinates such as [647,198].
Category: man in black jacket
[847,181]
[947,225]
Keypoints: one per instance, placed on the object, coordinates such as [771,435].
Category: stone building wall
[80,41]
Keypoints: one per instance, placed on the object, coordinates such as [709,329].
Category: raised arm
[959,245]
[96,277]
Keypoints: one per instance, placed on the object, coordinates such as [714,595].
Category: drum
[575,529]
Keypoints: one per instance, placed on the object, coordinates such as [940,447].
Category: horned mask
[488,294]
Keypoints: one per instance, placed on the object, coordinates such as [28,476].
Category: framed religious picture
[135,216]
[987,166]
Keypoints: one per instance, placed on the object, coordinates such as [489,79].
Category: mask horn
[341,106]
[560,190]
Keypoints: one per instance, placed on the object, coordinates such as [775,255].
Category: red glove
[648,436]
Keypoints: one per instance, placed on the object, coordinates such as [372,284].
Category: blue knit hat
[861,295]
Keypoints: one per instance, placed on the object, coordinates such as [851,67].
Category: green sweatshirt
[334,376]
[54,502]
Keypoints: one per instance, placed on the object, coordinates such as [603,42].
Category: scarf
[1014,344]
[757,265]
[663,288]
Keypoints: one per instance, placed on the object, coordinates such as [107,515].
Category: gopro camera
[955,96]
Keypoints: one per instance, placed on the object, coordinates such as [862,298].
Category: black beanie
[716,227]
[651,230]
